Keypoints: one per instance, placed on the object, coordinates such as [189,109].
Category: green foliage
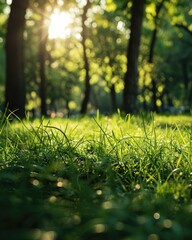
[108,30]
[102,178]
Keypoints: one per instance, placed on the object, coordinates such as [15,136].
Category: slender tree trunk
[43,34]
[143,92]
[189,31]
[95,98]
[113,98]
[184,65]
[131,76]
[190,96]
[86,61]
[112,87]
[186,80]
[151,55]
[153,81]
[15,81]
[154,97]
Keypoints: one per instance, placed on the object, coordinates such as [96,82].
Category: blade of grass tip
[180,133]
[154,130]
[58,129]
[178,161]
[144,127]
[129,120]
[3,122]
[79,142]
[3,118]
[103,132]
[190,148]
[151,178]
[97,115]
[14,114]
[119,112]
[134,140]
[172,172]
[35,131]
[116,142]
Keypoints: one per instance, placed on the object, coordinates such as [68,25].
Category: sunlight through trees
[80,56]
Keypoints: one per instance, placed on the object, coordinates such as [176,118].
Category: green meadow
[99,178]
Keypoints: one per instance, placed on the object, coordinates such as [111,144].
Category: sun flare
[59,25]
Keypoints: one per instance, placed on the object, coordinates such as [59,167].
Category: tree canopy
[63,57]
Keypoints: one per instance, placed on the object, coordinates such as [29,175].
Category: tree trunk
[150,61]
[190,96]
[154,96]
[86,61]
[113,98]
[184,65]
[151,55]
[43,34]
[131,76]
[143,94]
[14,47]
[186,80]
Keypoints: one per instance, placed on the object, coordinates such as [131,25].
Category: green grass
[102,178]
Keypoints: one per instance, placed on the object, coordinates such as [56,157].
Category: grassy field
[102,178]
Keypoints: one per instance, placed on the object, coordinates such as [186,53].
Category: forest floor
[102,178]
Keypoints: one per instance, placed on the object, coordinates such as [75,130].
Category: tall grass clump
[96,178]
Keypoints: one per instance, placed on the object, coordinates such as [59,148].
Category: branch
[184,27]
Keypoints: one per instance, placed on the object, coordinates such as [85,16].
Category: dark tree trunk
[131,76]
[190,97]
[86,61]
[151,55]
[186,80]
[111,86]
[184,65]
[189,31]
[43,34]
[143,93]
[154,96]
[153,81]
[113,98]
[15,81]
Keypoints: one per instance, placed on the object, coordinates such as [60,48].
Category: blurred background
[59,58]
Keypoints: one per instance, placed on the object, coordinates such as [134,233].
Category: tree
[130,92]
[185,62]
[43,34]
[109,54]
[86,61]
[158,8]
[15,81]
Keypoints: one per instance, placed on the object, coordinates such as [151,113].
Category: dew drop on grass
[153,237]
[35,182]
[99,192]
[63,183]
[99,228]
[59,184]
[107,205]
[50,235]
[156,215]
[137,186]
[167,223]
[52,199]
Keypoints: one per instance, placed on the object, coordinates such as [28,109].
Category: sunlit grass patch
[96,178]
